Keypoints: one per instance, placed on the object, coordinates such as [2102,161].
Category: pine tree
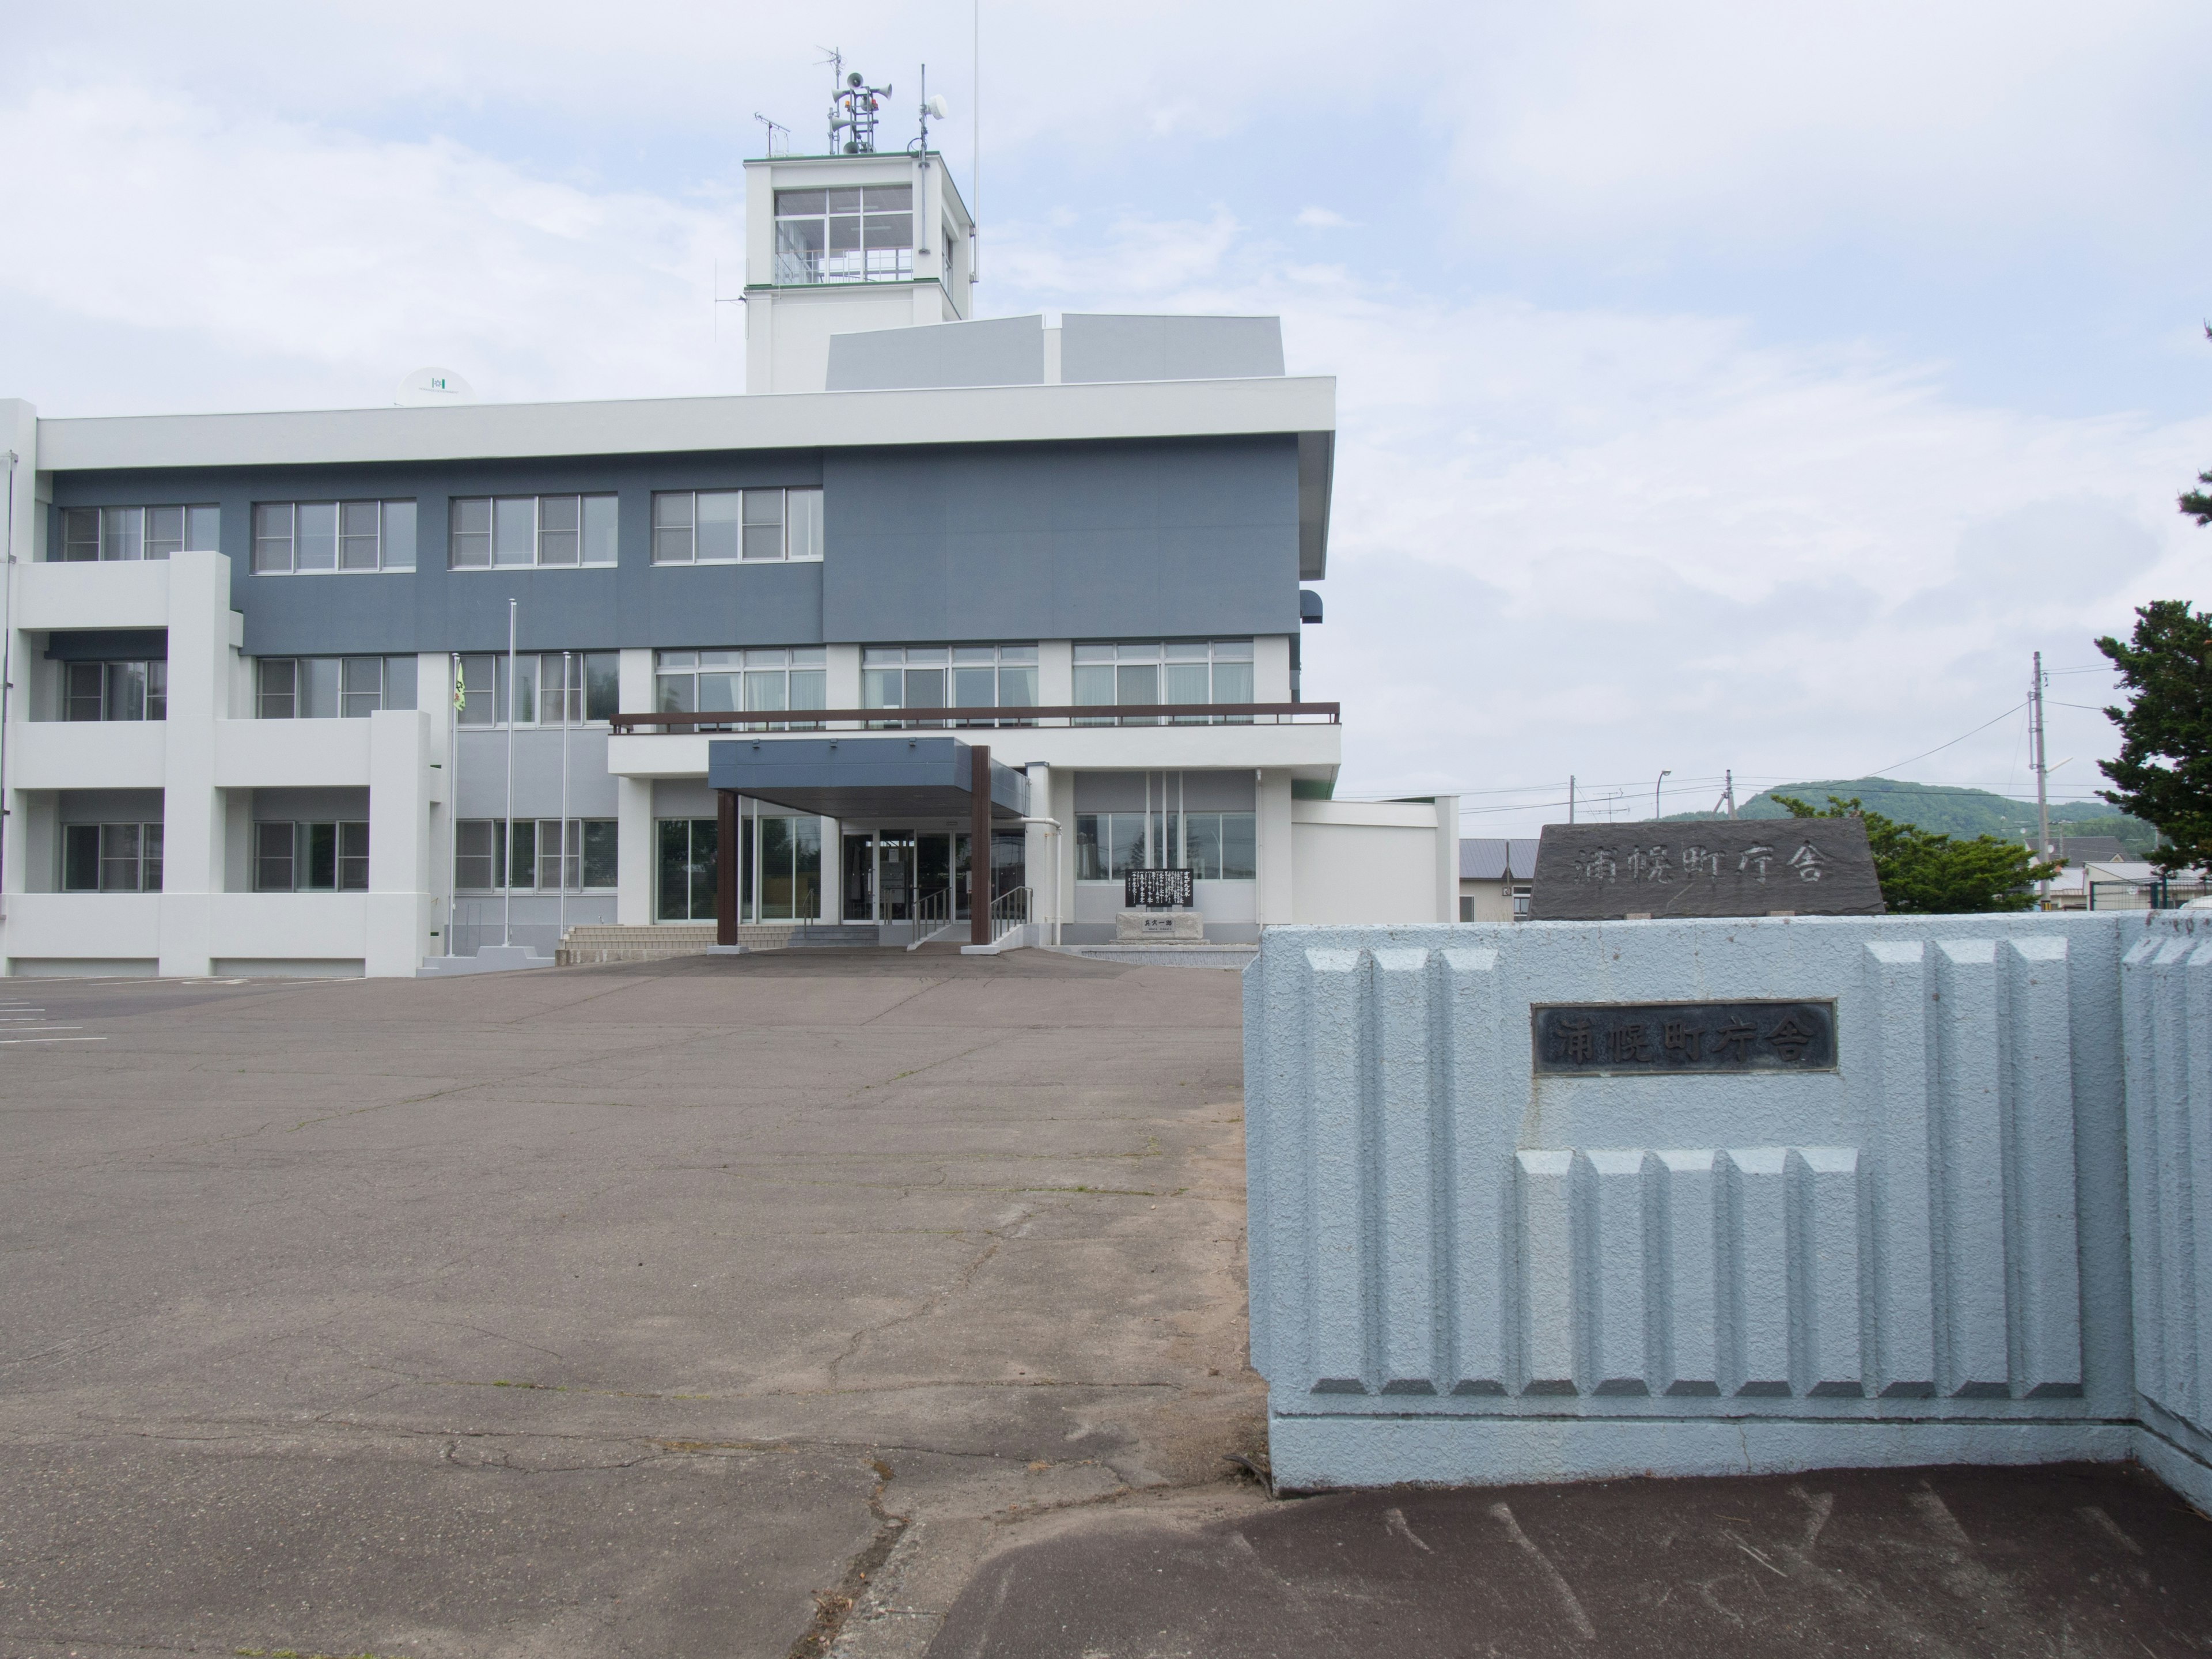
[2164,770]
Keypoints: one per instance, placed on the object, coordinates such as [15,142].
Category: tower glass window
[859,235]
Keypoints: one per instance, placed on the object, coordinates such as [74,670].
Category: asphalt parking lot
[866,1304]
[600,1311]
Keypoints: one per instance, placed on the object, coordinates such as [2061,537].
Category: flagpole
[507,888]
[567,691]
[453,799]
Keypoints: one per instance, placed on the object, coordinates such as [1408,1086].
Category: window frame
[1100,835]
[748,669]
[303,672]
[480,849]
[386,534]
[878,662]
[305,848]
[799,266]
[541,670]
[195,518]
[676,524]
[152,690]
[595,528]
[111,846]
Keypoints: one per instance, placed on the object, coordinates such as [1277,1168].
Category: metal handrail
[1009,910]
[930,912]
[905,719]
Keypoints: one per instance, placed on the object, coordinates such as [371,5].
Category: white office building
[263,714]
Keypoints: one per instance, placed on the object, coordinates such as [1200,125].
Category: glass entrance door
[895,875]
[860,877]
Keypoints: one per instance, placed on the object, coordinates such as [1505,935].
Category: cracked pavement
[702,1307]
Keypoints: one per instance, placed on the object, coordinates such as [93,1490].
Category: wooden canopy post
[979,845]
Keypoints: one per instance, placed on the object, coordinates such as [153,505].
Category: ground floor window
[1214,846]
[310,858]
[540,856]
[111,858]
[779,869]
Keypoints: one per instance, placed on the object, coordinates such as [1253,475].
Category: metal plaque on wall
[1639,1039]
[1721,867]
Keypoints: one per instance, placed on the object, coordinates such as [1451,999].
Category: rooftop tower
[852,240]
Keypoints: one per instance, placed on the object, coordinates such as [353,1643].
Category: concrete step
[601,942]
[847,935]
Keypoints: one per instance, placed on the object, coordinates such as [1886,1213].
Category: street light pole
[1663,777]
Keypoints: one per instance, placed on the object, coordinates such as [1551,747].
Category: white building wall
[1358,862]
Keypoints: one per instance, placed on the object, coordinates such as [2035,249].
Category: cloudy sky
[1720,385]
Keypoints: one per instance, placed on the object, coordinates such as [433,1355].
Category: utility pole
[1730,775]
[2042,776]
[1571,798]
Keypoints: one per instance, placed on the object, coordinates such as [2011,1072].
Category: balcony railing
[939,720]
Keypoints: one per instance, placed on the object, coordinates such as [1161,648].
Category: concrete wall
[1464,1271]
[1362,861]
[1182,537]
[2167,987]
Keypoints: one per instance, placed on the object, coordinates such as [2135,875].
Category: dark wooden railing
[926,719]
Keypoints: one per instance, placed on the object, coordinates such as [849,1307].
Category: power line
[1941,747]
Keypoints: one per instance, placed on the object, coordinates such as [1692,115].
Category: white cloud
[1322,218]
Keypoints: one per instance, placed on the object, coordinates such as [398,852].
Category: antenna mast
[2042,776]
[774,127]
[854,107]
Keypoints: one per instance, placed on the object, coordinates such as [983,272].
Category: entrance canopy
[880,777]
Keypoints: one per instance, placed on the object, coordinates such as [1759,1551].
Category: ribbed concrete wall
[2167,987]
[1465,1271]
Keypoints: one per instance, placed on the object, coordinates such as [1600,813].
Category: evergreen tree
[1926,874]
[2164,770]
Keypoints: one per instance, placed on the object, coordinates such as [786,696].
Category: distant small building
[1494,872]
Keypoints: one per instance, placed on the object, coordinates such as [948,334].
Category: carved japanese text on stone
[1637,1039]
[1796,867]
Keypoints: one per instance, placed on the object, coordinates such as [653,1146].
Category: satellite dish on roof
[433,384]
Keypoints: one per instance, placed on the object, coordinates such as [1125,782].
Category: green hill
[1953,811]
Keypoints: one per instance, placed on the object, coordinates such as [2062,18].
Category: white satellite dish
[936,108]
[433,384]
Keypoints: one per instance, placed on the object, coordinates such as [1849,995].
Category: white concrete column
[1040,848]
[193,811]
[1271,668]
[1448,861]
[833,870]
[633,846]
[636,678]
[19,431]
[1272,893]
[1055,673]
[400,858]
[842,685]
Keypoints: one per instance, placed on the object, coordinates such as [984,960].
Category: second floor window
[115,691]
[300,539]
[726,527]
[762,679]
[1179,672]
[112,533]
[859,235]
[534,851]
[949,676]
[513,532]
[332,688]
[593,685]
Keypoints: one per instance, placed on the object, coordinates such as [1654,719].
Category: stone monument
[1158,904]
[1722,867]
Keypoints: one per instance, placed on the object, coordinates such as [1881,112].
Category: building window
[310,858]
[862,235]
[780,859]
[730,526]
[552,533]
[1212,846]
[534,852]
[304,538]
[332,688]
[1521,903]
[90,533]
[758,679]
[1465,908]
[1179,672]
[949,676]
[592,682]
[111,858]
[115,691]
